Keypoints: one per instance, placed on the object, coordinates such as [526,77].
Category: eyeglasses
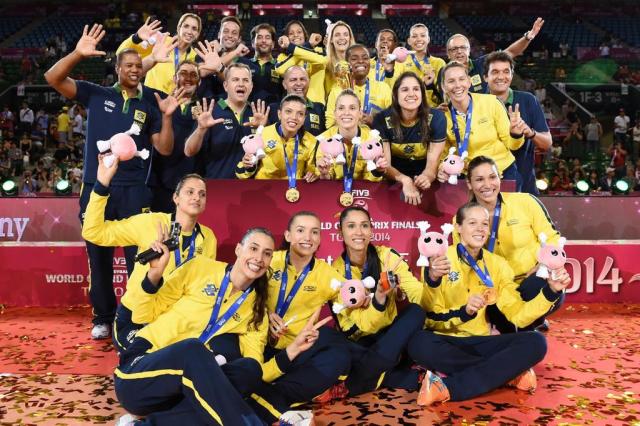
[456,48]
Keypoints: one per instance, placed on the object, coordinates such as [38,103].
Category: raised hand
[205,118]
[86,46]
[516,123]
[208,52]
[161,51]
[260,114]
[148,29]
[169,104]
[242,50]
[439,267]
[105,174]
[537,26]
[284,42]
[157,266]
[315,39]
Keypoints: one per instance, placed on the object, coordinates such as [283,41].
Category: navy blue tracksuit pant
[375,357]
[310,373]
[529,289]
[183,384]
[477,364]
[124,201]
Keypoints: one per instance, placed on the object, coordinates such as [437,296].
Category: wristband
[534,134]
[528,36]
[517,136]
[136,39]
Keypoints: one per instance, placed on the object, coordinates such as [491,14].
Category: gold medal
[292,195]
[490,295]
[346,199]
[196,110]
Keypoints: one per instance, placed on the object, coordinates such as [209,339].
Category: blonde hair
[331,51]
[190,15]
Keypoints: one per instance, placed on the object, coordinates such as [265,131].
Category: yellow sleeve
[114,233]
[329,113]
[252,344]
[503,126]
[244,173]
[310,56]
[441,317]
[510,303]
[542,221]
[129,44]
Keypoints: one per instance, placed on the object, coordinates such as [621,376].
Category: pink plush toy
[353,293]
[550,257]
[399,54]
[254,145]
[432,244]
[122,146]
[370,150]
[454,164]
[333,148]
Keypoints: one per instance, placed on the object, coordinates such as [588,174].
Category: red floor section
[52,373]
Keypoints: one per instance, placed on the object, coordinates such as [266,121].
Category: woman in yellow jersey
[170,371]
[347,113]
[139,230]
[301,285]
[412,135]
[479,124]
[516,221]
[376,351]
[458,340]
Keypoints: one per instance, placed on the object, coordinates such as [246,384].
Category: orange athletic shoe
[526,381]
[432,390]
[335,392]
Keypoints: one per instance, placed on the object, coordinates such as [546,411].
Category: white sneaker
[101,331]
[127,420]
[296,418]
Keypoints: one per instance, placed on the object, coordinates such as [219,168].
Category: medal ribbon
[291,168]
[379,77]
[283,302]
[366,108]
[216,324]
[483,275]
[176,58]
[347,268]
[462,146]
[494,227]
[417,63]
[192,250]
[348,172]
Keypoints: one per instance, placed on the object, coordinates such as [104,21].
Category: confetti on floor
[52,373]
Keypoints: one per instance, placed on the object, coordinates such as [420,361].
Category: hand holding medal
[474,304]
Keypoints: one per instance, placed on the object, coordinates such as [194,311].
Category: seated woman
[170,370]
[190,198]
[376,347]
[457,340]
[516,220]
[412,135]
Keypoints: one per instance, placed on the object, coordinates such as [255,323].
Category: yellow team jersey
[63,122]
[379,99]
[141,230]
[314,70]
[522,218]
[188,315]
[418,67]
[273,165]
[411,286]
[360,170]
[160,77]
[490,134]
[446,299]
[378,73]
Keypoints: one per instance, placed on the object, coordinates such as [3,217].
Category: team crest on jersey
[482,120]
[387,121]
[408,149]
[277,275]
[210,290]
[199,250]
[453,276]
[236,317]
[476,80]
[139,116]
[271,144]
[309,288]
[146,210]
[511,222]
[314,118]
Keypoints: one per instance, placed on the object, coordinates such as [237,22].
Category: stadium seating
[438,31]
[473,23]
[364,28]
[68,27]
[626,28]
[560,30]
[9,25]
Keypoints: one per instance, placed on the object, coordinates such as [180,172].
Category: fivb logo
[10,224]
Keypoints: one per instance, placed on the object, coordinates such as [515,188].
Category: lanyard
[462,146]
[293,167]
[494,227]
[216,324]
[176,58]
[366,108]
[483,275]
[192,250]
[283,302]
[379,77]
[417,63]
[350,170]
[347,268]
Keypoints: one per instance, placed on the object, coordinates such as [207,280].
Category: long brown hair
[260,285]
[423,110]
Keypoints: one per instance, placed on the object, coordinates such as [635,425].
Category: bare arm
[518,47]
[193,143]
[542,140]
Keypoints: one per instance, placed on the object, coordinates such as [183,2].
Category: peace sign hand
[307,336]
[516,124]
[205,118]
[86,46]
[260,115]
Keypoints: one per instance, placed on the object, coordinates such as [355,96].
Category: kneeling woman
[170,371]
[457,341]
[376,347]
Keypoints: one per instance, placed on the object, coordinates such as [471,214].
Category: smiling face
[296,34]
[291,115]
[419,39]
[229,35]
[356,230]
[296,81]
[340,38]
[129,70]
[409,94]
[484,182]
[347,113]
[385,43]
[304,235]
[458,49]
[456,83]
[263,42]
[499,76]
[253,256]
[189,30]
[238,84]
[474,229]
[359,62]
[192,197]
[188,78]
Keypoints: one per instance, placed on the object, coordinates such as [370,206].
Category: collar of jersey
[312,262]
[123,92]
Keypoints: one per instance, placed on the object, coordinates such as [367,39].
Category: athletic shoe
[432,390]
[127,420]
[101,331]
[296,418]
[544,327]
[335,392]
[526,381]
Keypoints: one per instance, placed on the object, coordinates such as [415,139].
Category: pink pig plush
[353,293]
[254,145]
[399,54]
[432,244]
[550,257]
[333,148]
[453,164]
[371,149]
[122,146]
